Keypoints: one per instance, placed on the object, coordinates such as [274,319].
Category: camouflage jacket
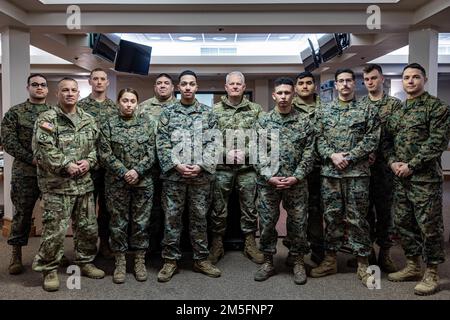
[295,143]
[127,144]
[347,127]
[57,141]
[417,133]
[101,111]
[177,122]
[17,135]
[230,118]
[304,108]
[152,108]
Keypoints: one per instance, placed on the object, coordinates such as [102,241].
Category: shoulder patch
[47,126]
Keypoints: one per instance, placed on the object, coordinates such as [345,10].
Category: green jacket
[101,111]
[152,108]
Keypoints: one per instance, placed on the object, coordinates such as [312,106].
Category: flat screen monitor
[133,58]
[308,60]
[105,46]
[329,46]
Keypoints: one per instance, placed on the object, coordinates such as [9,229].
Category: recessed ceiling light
[284,37]
[219,38]
[155,38]
[187,38]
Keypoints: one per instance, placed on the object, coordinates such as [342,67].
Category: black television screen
[133,58]
[329,46]
[105,45]
[308,60]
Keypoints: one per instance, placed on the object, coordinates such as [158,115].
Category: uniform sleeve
[306,164]
[105,153]
[438,138]
[213,148]
[324,149]
[267,164]
[387,142]
[10,139]
[145,165]
[92,157]
[164,143]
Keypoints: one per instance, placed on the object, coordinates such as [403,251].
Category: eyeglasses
[36,85]
[341,81]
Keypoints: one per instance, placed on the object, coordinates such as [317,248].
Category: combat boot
[206,267]
[168,270]
[353,262]
[140,271]
[327,267]
[385,261]
[430,282]
[16,267]
[290,260]
[250,249]
[361,272]
[51,281]
[91,271]
[299,270]
[412,271]
[121,268]
[216,251]
[104,250]
[266,270]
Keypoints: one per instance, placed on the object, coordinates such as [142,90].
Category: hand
[188,171]
[73,169]
[339,160]
[372,158]
[282,182]
[395,166]
[196,169]
[235,156]
[34,162]
[131,177]
[84,166]
[404,171]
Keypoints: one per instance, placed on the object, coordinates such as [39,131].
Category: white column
[112,89]
[15,70]
[423,49]
[262,93]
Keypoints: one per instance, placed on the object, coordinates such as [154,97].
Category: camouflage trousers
[295,202]
[380,216]
[58,209]
[346,204]
[103,216]
[418,217]
[130,210]
[24,194]
[226,180]
[175,196]
[157,216]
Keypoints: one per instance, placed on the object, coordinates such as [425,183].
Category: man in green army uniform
[307,102]
[98,105]
[17,134]
[284,181]
[151,110]
[235,112]
[64,145]
[348,133]
[417,134]
[380,217]
[187,176]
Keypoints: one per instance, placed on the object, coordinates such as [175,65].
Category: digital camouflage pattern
[101,111]
[152,108]
[17,135]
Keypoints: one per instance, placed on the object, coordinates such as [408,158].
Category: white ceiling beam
[13,12]
[430,9]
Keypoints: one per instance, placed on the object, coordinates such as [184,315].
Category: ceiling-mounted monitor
[105,45]
[332,45]
[133,58]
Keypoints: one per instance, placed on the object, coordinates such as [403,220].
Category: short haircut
[36,75]
[125,90]
[415,66]
[283,80]
[187,73]
[344,70]
[96,70]
[67,79]
[235,73]
[164,75]
[371,67]
[305,74]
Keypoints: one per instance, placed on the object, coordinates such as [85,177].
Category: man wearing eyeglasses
[16,135]
[348,133]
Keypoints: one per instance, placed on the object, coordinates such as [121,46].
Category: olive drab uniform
[353,128]
[60,139]
[125,144]
[17,135]
[192,122]
[417,134]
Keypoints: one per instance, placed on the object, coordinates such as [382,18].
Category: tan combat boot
[266,270]
[15,266]
[385,261]
[216,251]
[299,270]
[328,266]
[206,267]
[51,281]
[429,283]
[121,268]
[361,272]
[412,271]
[168,270]
[140,271]
[91,271]
[250,249]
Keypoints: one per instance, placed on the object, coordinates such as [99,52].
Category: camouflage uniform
[417,134]
[17,134]
[127,144]
[354,128]
[243,116]
[151,109]
[177,191]
[381,181]
[101,111]
[57,142]
[296,159]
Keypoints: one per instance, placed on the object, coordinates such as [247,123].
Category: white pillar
[112,89]
[262,93]
[423,49]
[15,70]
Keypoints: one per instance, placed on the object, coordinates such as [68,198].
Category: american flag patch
[47,126]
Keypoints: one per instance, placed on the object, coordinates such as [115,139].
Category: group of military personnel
[344,171]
